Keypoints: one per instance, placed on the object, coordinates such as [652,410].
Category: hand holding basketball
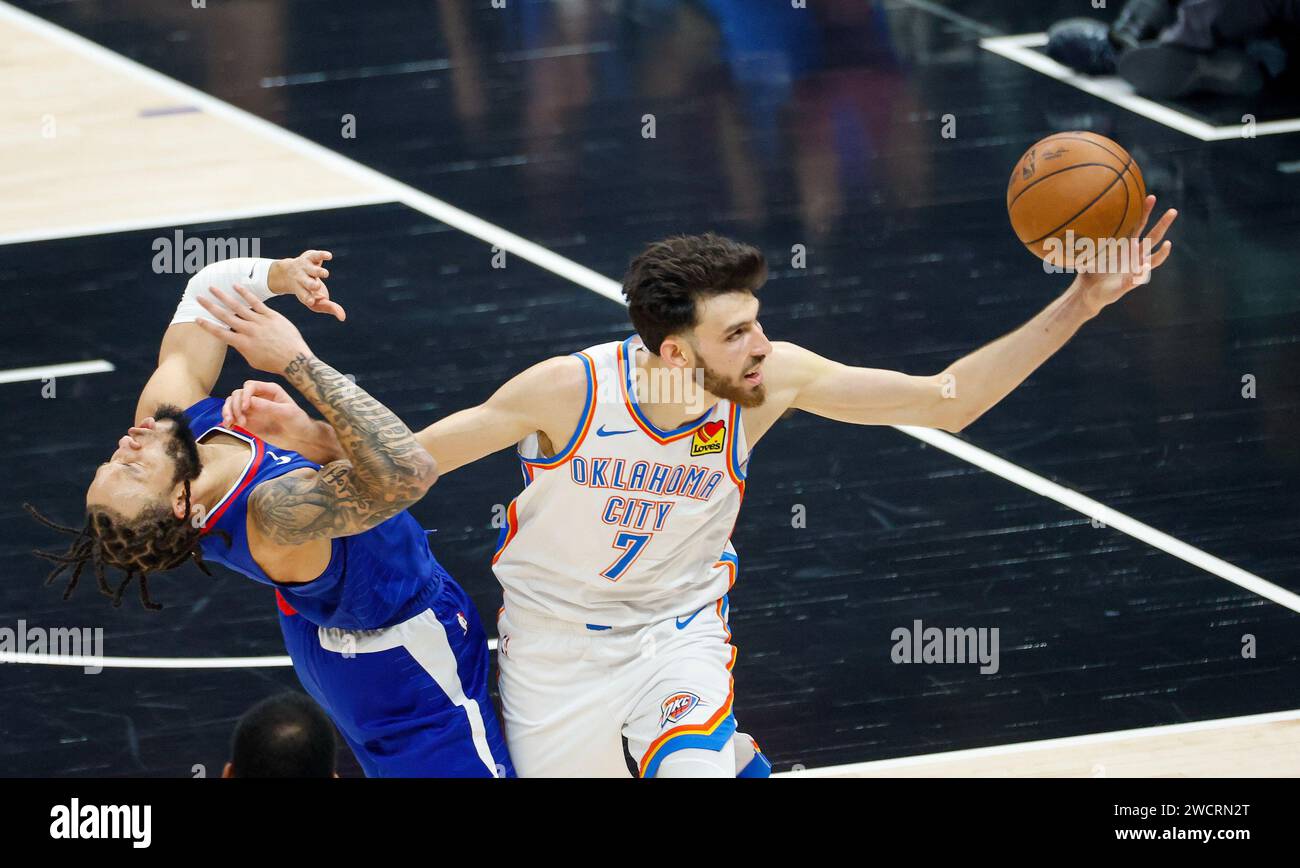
[1105,280]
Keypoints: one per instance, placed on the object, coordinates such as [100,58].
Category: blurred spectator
[1090,46]
[1175,48]
[1222,46]
[285,736]
[1141,21]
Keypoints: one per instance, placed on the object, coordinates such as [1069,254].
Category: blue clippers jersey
[375,579]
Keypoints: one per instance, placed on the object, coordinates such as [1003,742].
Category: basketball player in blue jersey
[615,560]
[379,634]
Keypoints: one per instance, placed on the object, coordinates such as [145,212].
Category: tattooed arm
[385,470]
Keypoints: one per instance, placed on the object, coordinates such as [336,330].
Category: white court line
[608,288]
[144,662]
[155,662]
[1046,744]
[1115,90]
[192,217]
[1114,519]
[66,369]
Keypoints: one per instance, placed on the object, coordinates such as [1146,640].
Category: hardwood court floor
[86,144]
[1241,747]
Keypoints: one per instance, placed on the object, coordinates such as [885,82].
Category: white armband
[248,272]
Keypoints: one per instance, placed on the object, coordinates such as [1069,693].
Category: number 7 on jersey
[631,544]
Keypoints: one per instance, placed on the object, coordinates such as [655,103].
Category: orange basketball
[1079,183]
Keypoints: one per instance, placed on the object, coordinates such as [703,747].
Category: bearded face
[729,345]
[745,389]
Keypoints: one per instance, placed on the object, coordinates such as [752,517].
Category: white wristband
[250,273]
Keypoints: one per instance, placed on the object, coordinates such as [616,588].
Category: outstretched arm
[546,397]
[973,384]
[803,380]
[190,360]
[978,381]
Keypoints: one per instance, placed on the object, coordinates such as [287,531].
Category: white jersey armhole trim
[531,443]
[239,480]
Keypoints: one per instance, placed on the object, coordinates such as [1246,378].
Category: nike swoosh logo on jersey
[250,272]
[681,625]
[278,459]
[601,432]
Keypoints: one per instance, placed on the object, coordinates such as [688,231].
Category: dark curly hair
[664,283]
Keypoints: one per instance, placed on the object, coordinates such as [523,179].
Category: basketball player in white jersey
[615,560]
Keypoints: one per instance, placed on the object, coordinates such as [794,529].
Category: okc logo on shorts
[709,439]
[677,706]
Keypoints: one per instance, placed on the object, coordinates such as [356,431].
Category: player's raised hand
[1104,279]
[265,338]
[305,277]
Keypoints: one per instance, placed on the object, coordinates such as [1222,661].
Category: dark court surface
[817,127]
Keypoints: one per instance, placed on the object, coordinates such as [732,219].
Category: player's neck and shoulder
[555,391]
[231,459]
[288,561]
[786,371]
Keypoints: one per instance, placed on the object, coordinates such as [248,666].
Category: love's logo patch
[709,438]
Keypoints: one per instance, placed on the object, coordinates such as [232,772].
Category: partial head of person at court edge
[284,736]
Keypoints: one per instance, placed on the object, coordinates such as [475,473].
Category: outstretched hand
[1104,280]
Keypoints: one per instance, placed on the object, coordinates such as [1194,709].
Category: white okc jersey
[627,524]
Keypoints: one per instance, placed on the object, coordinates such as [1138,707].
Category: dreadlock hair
[152,542]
